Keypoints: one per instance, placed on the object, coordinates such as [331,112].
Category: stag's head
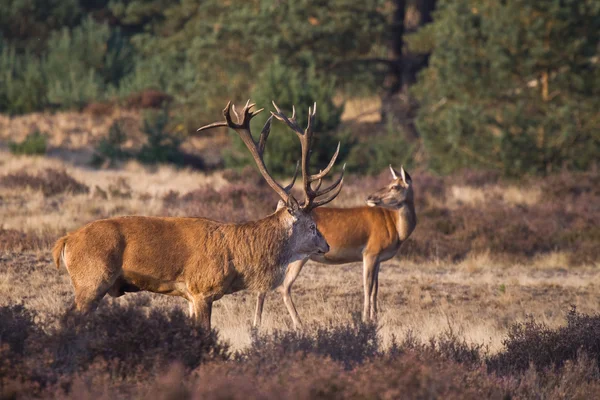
[305,238]
[395,194]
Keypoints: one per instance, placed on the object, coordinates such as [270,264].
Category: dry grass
[423,299]
[478,296]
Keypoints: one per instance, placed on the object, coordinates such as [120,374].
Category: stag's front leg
[291,274]
[260,302]
[202,311]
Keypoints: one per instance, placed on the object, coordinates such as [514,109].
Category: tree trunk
[397,103]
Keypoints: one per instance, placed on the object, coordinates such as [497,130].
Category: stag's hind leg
[91,284]
[89,293]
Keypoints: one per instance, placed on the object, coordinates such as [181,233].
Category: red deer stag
[196,258]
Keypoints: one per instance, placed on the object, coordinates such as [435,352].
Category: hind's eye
[313,227]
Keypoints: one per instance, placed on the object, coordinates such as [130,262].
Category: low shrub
[34,144]
[348,344]
[533,343]
[110,149]
[233,203]
[14,240]
[50,182]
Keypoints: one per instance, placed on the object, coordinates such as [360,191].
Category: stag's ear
[280,205]
[405,176]
[292,205]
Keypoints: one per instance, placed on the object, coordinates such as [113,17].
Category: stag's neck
[406,220]
[268,239]
[261,251]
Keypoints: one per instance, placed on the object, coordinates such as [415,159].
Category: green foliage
[513,85]
[161,145]
[390,147]
[34,144]
[22,81]
[28,23]
[289,87]
[110,149]
[228,44]
[80,65]
[97,57]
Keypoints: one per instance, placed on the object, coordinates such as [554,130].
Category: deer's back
[146,249]
[350,232]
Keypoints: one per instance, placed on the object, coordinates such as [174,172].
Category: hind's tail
[58,250]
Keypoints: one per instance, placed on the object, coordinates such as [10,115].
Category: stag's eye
[396,187]
[313,227]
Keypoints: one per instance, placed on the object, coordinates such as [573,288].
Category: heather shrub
[447,346]
[133,338]
[50,182]
[349,344]
[14,240]
[233,203]
[533,343]
[16,325]
[34,144]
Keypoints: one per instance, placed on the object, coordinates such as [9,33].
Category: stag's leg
[91,288]
[370,263]
[374,293]
[260,302]
[202,311]
[192,309]
[286,290]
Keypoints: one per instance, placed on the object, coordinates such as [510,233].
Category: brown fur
[195,258]
[57,250]
[368,234]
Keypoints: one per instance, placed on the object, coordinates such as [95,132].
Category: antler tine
[318,183]
[305,137]
[291,185]
[264,134]
[242,128]
[291,122]
[236,114]
[331,187]
[227,121]
[329,198]
[325,171]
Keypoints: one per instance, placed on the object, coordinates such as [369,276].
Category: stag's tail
[57,251]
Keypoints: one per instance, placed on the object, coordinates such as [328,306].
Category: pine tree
[511,85]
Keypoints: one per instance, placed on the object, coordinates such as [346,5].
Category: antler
[305,137]
[242,128]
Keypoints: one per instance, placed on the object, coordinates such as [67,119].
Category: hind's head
[396,193]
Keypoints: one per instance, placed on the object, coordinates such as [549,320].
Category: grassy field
[487,254]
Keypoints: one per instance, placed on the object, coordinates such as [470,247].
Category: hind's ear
[405,176]
[394,173]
